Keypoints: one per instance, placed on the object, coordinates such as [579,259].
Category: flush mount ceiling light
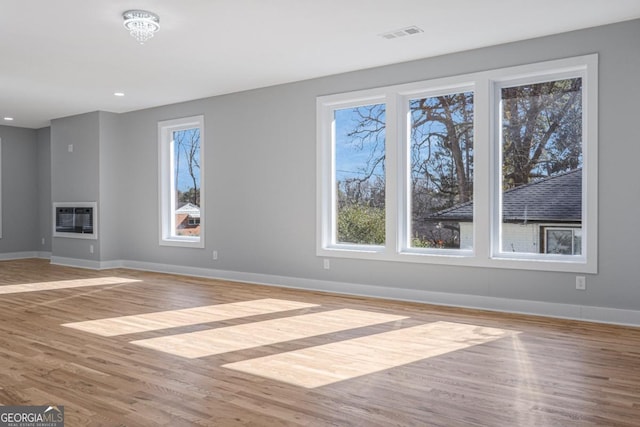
[141,24]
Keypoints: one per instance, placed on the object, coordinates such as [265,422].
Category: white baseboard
[538,308]
[76,262]
[24,255]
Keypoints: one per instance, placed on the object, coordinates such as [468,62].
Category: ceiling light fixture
[9,119]
[141,24]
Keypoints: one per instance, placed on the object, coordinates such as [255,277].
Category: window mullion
[483,197]
[393,203]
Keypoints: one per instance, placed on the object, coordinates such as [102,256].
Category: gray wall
[91,173]
[260,159]
[75,175]
[44,189]
[111,210]
[20,220]
[260,178]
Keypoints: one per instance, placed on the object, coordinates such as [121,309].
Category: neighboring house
[544,216]
[188,220]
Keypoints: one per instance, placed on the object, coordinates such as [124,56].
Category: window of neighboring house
[194,221]
[463,170]
[562,240]
[181,145]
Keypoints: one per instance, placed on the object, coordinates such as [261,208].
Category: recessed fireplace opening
[76,220]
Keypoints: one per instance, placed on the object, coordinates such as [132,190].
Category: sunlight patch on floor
[268,332]
[326,364]
[63,284]
[185,317]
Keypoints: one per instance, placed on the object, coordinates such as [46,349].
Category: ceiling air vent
[408,31]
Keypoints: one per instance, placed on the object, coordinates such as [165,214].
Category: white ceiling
[65,57]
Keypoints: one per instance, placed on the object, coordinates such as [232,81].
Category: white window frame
[327,183]
[585,67]
[486,218]
[404,134]
[167,200]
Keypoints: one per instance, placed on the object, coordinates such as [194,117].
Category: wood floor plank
[544,372]
[325,364]
[63,284]
[185,317]
[241,337]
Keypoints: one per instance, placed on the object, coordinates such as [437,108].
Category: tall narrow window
[182,181]
[441,166]
[541,157]
[359,147]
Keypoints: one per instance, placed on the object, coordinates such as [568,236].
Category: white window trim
[485,252]
[585,67]
[404,162]
[326,170]
[166,197]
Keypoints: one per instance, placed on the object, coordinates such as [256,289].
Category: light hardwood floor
[130,348]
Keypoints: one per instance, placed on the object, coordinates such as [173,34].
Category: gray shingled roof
[556,198]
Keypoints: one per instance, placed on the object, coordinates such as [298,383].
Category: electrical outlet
[581,283]
[90,249]
[214,256]
[43,240]
[326,264]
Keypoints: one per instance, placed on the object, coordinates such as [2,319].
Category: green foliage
[361,224]
[420,242]
[192,195]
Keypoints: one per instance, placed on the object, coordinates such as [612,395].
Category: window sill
[464,258]
[184,242]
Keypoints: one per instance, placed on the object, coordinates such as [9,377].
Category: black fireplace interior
[74,220]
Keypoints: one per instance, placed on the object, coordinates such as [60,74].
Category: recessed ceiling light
[8,119]
[118,93]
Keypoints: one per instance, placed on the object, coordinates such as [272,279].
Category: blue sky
[184,181]
[351,158]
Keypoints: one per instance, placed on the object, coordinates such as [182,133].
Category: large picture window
[181,148]
[494,169]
